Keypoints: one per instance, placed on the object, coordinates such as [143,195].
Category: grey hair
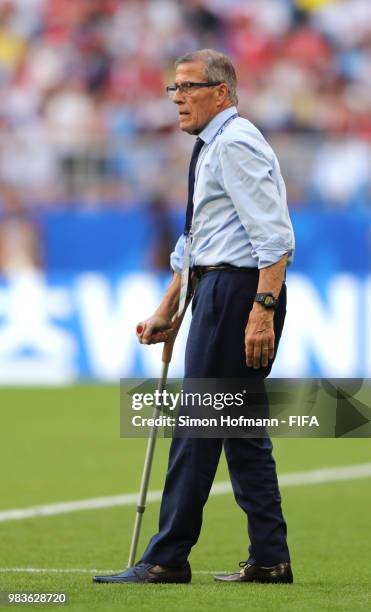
[217,67]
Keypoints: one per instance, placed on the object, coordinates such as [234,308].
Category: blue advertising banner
[66,324]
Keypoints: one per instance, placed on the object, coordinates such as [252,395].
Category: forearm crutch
[166,358]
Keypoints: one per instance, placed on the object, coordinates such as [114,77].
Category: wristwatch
[267,300]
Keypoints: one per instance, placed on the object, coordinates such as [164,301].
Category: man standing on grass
[237,241]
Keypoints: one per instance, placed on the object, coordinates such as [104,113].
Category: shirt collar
[216,123]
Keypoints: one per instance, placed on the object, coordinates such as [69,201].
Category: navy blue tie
[191,183]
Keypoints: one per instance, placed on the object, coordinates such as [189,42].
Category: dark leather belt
[201,270]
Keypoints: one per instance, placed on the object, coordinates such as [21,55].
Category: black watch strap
[267,300]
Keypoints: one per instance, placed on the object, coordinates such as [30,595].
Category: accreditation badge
[184,283]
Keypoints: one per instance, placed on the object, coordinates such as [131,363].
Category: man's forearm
[170,302]
[259,333]
[163,322]
[272,277]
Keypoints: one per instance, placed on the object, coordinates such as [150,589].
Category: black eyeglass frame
[189,85]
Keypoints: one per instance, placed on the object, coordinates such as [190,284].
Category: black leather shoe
[280,573]
[147,572]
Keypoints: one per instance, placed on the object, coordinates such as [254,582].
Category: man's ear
[223,92]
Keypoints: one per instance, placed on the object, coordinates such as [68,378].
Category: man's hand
[155,329]
[164,323]
[259,337]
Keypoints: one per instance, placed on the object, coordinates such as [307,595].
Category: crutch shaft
[167,352]
[151,444]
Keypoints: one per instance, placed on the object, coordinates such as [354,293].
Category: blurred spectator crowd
[84,119]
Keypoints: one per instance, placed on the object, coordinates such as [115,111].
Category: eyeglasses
[187,88]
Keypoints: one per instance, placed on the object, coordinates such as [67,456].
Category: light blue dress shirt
[240,209]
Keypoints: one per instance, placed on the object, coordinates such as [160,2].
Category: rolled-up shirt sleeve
[176,257]
[257,191]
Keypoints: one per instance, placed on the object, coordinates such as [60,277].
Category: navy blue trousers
[215,349]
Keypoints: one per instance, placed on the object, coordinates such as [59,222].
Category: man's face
[198,106]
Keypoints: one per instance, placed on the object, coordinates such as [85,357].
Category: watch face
[268,300]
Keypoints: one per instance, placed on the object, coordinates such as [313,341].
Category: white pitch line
[55,570]
[293,479]
[52,570]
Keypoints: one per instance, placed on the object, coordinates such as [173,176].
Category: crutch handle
[167,351]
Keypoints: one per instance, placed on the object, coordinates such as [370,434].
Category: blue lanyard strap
[222,128]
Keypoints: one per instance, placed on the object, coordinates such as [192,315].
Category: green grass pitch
[63,444]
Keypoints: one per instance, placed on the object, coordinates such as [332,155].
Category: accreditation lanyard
[184,282]
[185,285]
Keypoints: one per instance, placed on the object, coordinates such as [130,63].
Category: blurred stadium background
[93,174]
[92,196]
